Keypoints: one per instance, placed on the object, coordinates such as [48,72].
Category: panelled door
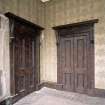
[24,50]
[75,59]
[67,63]
[24,59]
[24,56]
[24,63]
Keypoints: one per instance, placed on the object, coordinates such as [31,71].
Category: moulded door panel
[81,63]
[24,65]
[67,63]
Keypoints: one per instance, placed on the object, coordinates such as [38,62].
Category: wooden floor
[47,96]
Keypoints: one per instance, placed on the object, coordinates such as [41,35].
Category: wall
[32,10]
[60,12]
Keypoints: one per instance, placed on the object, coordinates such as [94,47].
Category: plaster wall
[4,58]
[32,10]
[60,12]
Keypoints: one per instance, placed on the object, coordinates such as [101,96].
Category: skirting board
[96,92]
[100,92]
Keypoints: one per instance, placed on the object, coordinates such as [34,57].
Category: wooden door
[67,63]
[24,65]
[81,60]
[75,57]
[24,60]
[24,51]
[24,56]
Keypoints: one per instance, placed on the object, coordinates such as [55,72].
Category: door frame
[12,19]
[70,26]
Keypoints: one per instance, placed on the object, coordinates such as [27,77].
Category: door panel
[81,63]
[24,65]
[67,63]
[18,66]
[29,63]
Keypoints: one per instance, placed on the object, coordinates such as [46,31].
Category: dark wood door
[67,63]
[24,56]
[24,60]
[24,65]
[75,59]
[81,48]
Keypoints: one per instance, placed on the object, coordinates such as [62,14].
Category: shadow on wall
[0,83]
